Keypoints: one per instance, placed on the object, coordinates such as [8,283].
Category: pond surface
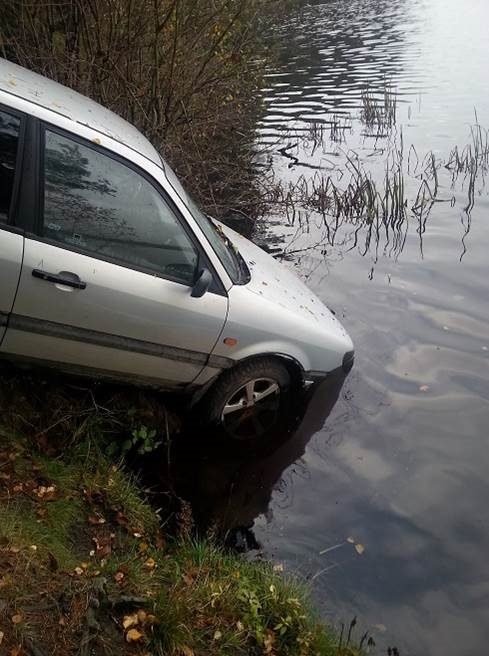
[395,457]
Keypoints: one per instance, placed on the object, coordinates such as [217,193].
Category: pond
[380,496]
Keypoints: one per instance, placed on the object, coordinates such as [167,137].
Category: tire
[246,402]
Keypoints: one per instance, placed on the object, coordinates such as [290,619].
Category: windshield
[224,249]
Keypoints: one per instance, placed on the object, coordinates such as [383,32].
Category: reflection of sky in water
[401,464]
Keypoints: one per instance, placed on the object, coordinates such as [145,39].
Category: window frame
[36,222]
[11,225]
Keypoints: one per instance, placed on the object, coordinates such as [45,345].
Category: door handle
[62,278]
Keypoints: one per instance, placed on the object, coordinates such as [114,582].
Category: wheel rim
[252,409]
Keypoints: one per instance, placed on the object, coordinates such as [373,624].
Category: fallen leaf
[350,540]
[278,567]
[2,634]
[150,564]
[141,615]
[240,626]
[130,620]
[359,548]
[96,519]
[33,547]
[217,635]
[133,635]
[119,577]
[78,571]
[121,519]
[16,619]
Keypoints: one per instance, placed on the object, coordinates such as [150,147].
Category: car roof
[55,97]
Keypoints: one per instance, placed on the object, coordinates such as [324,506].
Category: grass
[354,203]
[379,110]
[85,568]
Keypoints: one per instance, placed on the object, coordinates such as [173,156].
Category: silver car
[108,268]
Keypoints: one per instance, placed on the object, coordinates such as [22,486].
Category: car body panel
[275,313]
[11,252]
[123,321]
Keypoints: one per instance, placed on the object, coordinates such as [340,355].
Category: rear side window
[9,142]
[107,209]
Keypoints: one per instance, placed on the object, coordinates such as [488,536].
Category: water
[397,456]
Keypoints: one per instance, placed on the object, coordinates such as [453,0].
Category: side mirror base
[202,284]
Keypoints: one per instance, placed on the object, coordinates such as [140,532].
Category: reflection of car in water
[108,269]
[228,491]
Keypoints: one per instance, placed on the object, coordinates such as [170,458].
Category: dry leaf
[278,567]
[350,540]
[359,548]
[16,619]
[133,635]
[2,634]
[78,571]
[142,615]
[96,519]
[130,620]
[150,564]
[188,580]
[119,577]
[240,626]
[217,635]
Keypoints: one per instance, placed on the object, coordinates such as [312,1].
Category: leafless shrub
[185,72]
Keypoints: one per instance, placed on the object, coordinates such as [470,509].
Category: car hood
[277,284]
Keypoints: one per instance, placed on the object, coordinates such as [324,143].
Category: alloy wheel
[252,409]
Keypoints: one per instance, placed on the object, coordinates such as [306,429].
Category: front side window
[9,141]
[105,208]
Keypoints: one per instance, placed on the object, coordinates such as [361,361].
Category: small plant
[143,440]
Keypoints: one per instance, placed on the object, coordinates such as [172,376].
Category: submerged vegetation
[359,204]
[85,565]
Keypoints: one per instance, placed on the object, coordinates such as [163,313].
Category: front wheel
[247,401]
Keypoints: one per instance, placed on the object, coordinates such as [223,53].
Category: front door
[11,241]
[106,284]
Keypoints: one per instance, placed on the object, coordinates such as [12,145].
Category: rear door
[106,281]
[11,239]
